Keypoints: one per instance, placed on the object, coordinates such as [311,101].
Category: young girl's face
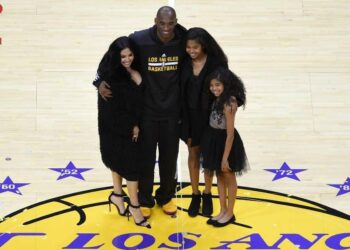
[216,87]
[126,57]
[194,49]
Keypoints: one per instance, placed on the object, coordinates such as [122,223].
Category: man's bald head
[165,22]
[166,11]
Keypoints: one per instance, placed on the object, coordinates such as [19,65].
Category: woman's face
[194,49]
[216,87]
[126,57]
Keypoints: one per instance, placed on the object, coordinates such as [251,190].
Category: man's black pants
[165,134]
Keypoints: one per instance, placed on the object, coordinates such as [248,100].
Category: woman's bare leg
[117,188]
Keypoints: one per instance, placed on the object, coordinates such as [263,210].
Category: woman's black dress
[194,116]
[116,119]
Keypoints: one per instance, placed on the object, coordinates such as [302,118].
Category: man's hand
[105,90]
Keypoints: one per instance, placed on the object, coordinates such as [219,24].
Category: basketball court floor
[294,58]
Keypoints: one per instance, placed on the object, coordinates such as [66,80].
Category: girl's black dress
[116,119]
[213,146]
[194,115]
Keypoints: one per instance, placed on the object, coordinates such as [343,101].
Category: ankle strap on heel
[133,206]
[118,195]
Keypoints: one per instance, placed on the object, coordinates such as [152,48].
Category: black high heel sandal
[141,223]
[111,202]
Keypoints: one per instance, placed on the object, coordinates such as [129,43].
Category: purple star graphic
[9,186]
[70,171]
[343,188]
[285,171]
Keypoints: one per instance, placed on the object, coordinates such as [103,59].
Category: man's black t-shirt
[159,65]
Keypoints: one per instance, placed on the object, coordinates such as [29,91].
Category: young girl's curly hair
[233,86]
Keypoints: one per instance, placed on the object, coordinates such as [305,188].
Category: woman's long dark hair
[208,43]
[233,86]
[111,61]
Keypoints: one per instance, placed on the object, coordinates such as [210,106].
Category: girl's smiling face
[216,87]
[194,49]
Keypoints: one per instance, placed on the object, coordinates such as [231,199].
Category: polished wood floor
[294,57]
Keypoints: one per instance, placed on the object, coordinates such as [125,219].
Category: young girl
[222,147]
[204,55]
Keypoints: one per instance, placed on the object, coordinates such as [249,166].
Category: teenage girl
[204,55]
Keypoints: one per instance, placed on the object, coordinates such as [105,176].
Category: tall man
[159,51]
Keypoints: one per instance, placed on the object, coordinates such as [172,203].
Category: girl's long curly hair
[208,43]
[111,62]
[233,86]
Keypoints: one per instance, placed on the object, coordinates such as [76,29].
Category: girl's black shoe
[193,209]
[207,206]
[211,221]
[219,224]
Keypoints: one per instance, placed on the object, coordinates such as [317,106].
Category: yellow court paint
[265,220]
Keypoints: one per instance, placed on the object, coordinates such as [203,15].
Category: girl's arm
[229,112]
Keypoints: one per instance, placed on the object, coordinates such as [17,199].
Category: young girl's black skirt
[213,146]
